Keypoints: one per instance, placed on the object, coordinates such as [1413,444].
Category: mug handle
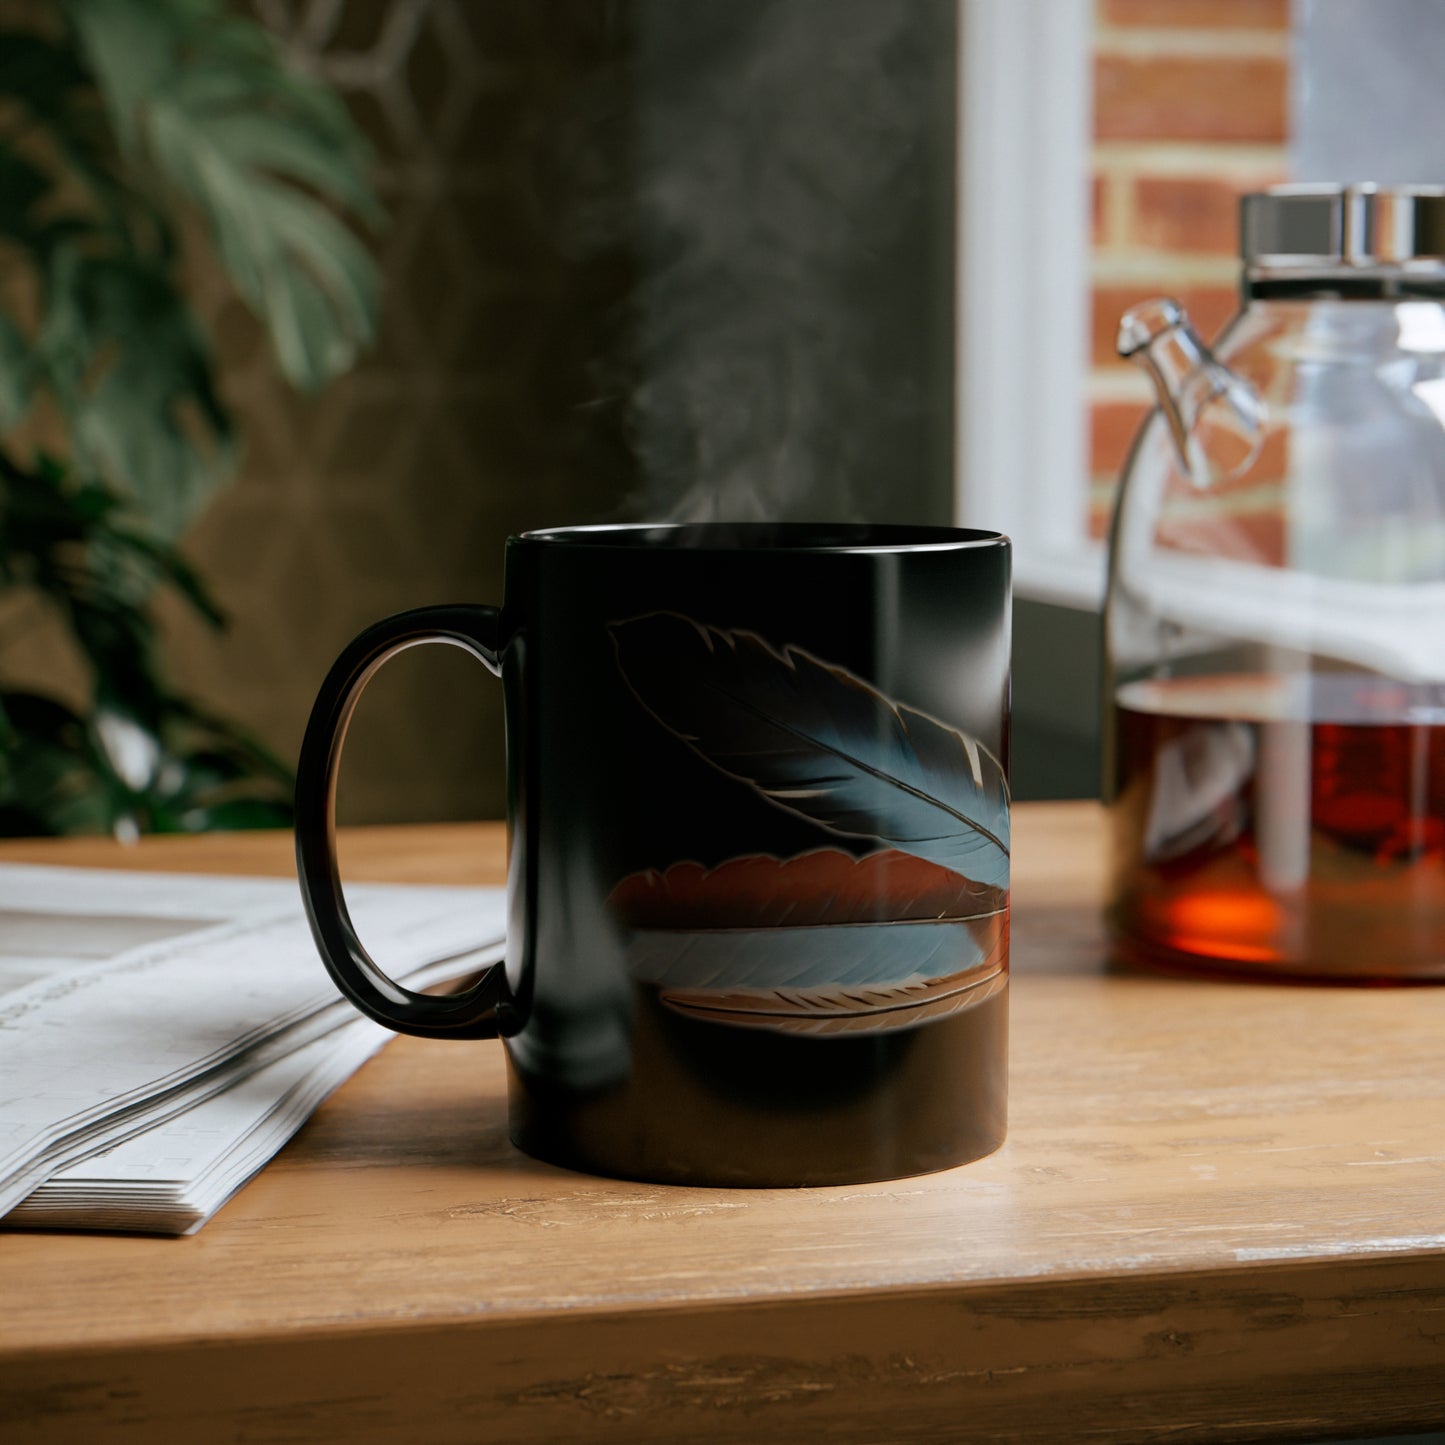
[471,1014]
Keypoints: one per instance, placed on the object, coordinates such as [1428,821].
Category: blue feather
[821,743]
[827,980]
[833,956]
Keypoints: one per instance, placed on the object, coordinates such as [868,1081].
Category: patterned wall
[646,258]
[476,417]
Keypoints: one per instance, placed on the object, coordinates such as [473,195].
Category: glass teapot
[1275,623]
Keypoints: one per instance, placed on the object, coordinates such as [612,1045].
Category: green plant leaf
[51,784]
[17,375]
[22,185]
[74,543]
[39,73]
[170,566]
[217,732]
[134,104]
[129,47]
[133,376]
[64,773]
[262,151]
[52,90]
[233,814]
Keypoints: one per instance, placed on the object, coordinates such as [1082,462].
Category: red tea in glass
[1286,825]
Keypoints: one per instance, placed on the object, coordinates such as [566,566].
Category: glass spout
[1216,419]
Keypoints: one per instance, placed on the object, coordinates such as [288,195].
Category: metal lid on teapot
[1342,230]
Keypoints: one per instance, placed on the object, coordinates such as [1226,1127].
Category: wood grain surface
[1220,1214]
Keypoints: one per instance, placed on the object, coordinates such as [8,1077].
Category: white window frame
[1025,122]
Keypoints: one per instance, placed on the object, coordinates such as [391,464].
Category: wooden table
[1220,1214]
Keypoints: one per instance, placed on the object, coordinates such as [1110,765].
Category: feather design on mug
[823,943]
[821,743]
[844,1009]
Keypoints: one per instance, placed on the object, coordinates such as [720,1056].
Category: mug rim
[810,537]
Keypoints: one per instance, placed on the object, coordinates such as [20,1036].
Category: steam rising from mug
[777,362]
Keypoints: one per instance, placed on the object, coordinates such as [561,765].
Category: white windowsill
[1072,578]
[1024,129]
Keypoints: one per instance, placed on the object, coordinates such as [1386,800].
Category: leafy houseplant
[120,122]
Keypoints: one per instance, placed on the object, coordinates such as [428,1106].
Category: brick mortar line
[1118,209]
[1175,43]
[1268,499]
[1125,174]
[1124,267]
[1129,204]
[1186,159]
[1121,385]
[1260,500]
[1120,265]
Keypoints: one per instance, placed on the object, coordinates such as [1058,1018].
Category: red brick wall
[1190,111]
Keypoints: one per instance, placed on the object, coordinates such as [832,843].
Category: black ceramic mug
[759,848]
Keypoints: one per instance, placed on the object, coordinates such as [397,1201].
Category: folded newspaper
[162,1035]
